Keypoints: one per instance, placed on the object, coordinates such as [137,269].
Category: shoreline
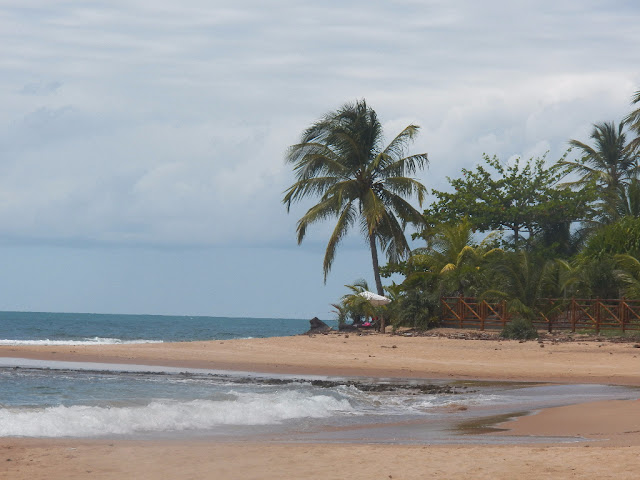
[372,356]
[612,427]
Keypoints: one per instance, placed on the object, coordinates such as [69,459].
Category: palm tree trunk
[376,266]
[376,272]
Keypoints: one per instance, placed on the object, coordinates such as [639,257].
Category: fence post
[573,315]
[597,306]
[504,313]
[622,313]
[483,314]
[460,310]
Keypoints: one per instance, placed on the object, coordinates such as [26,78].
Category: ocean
[68,399]
[87,328]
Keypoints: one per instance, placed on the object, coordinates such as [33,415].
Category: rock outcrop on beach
[317,326]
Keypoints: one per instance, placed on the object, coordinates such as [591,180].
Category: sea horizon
[58,328]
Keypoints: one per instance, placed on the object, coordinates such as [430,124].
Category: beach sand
[613,427]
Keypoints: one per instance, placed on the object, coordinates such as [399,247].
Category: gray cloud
[40,88]
[165,124]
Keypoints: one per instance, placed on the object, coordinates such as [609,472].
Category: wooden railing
[551,314]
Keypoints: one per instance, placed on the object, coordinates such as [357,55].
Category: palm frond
[328,207]
[373,210]
[401,208]
[345,220]
[317,186]
[406,187]
[405,166]
[390,235]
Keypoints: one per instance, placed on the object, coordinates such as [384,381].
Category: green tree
[629,201]
[593,273]
[453,256]
[352,305]
[523,200]
[588,277]
[355,306]
[633,120]
[341,159]
[412,307]
[608,164]
[628,273]
[621,237]
[524,279]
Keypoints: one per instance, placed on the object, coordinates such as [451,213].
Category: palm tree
[451,255]
[340,159]
[629,201]
[523,280]
[608,164]
[355,306]
[633,120]
[588,277]
[629,275]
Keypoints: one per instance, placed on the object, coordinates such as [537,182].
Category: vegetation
[523,201]
[353,309]
[341,159]
[519,329]
[609,165]
[633,121]
[520,231]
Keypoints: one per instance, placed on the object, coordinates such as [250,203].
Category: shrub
[519,329]
[621,237]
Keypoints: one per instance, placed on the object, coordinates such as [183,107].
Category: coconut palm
[341,160]
[633,120]
[629,200]
[609,164]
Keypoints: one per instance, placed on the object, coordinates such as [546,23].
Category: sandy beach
[612,427]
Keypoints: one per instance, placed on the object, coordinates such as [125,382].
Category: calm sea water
[78,328]
[58,399]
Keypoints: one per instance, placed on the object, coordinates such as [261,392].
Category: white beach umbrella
[374,298]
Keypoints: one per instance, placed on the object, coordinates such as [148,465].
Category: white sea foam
[167,415]
[84,341]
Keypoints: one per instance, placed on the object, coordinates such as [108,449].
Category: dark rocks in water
[317,326]
[426,389]
[411,388]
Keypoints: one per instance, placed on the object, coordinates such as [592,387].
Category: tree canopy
[522,199]
[609,165]
[342,160]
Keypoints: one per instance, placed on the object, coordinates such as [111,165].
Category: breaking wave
[167,415]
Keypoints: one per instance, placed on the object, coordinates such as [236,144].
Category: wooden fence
[551,314]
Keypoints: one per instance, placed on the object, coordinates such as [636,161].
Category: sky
[142,142]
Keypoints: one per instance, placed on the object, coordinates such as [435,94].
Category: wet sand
[375,356]
[612,428]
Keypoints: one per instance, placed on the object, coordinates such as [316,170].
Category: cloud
[166,124]
[40,88]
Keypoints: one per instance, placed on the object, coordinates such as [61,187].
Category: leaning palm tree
[341,159]
[608,164]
